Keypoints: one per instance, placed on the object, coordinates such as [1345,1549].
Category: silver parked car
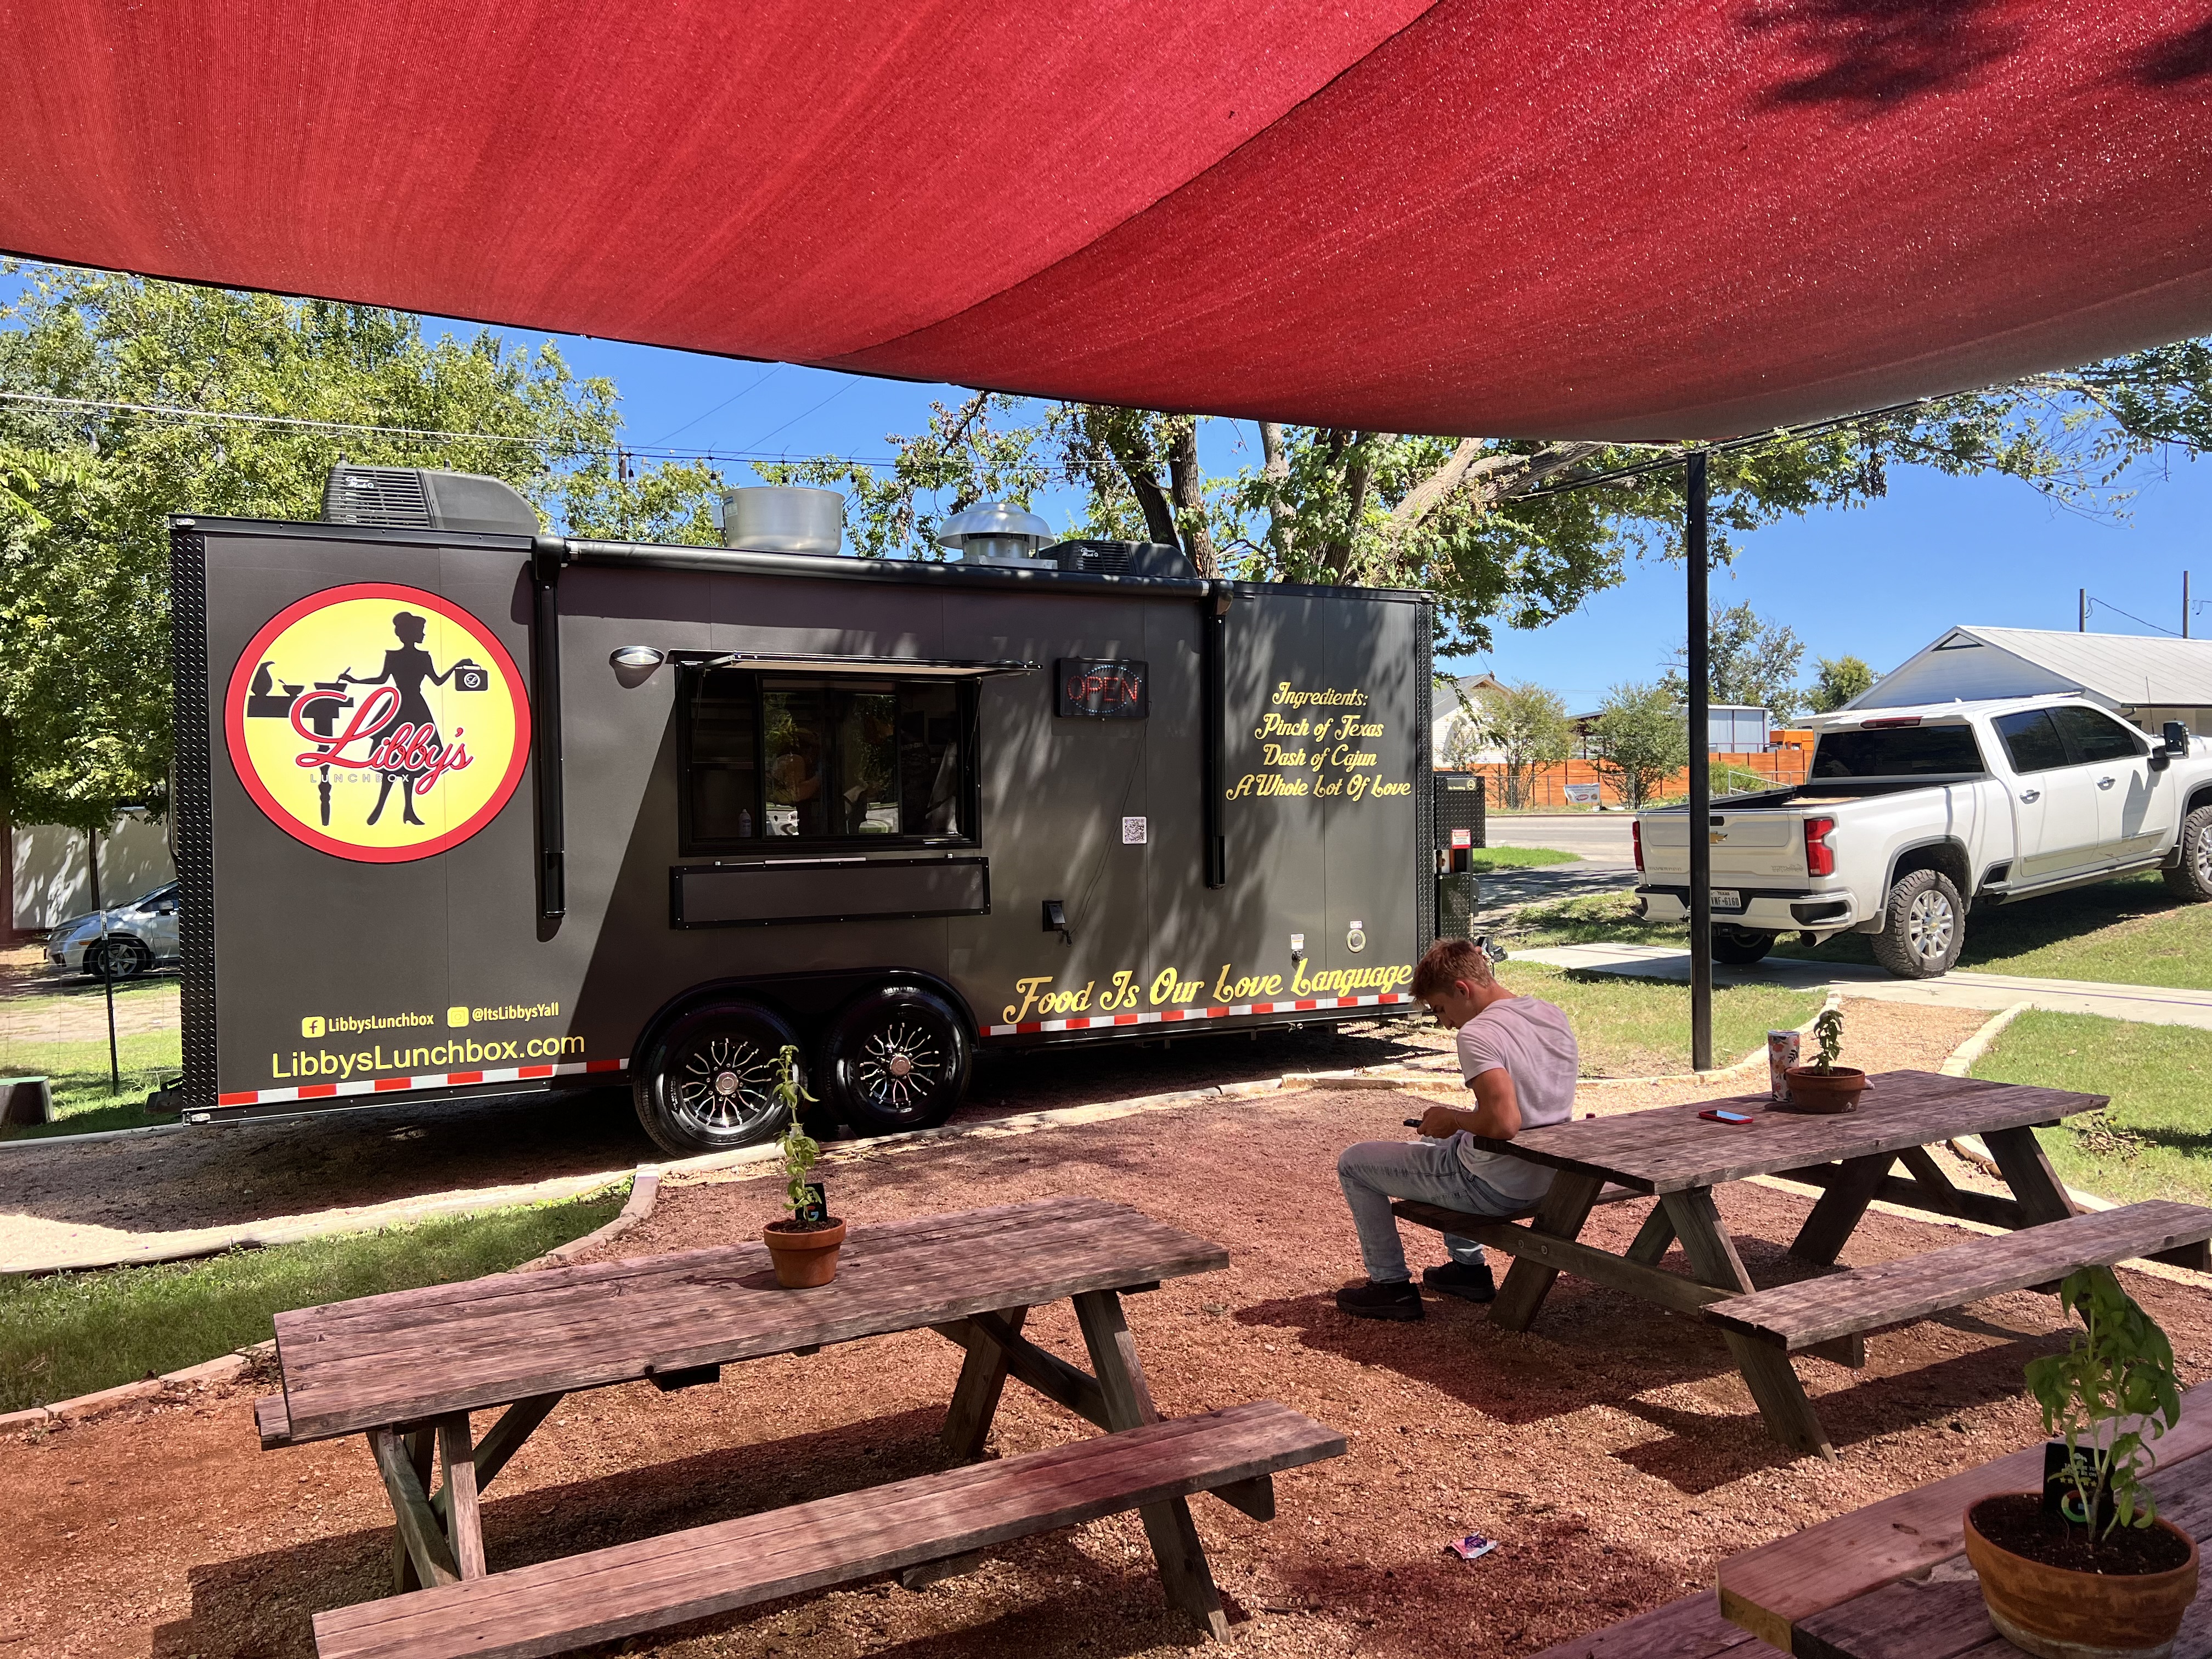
[125,941]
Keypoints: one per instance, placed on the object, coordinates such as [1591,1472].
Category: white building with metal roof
[2144,679]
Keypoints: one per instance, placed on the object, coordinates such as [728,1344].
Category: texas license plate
[1726,898]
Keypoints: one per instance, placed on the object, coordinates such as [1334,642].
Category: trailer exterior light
[1820,857]
[639,658]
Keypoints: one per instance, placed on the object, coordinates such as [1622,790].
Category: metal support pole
[2185,604]
[1701,781]
[106,961]
[2081,622]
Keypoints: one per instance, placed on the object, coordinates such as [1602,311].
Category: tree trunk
[1276,470]
[1358,476]
[1189,486]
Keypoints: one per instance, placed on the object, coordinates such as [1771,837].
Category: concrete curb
[644,1192]
[1960,1062]
[209,1373]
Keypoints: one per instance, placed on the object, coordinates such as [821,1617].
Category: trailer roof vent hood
[997,532]
[415,498]
[783,519]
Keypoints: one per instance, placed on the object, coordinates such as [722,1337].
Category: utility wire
[2094,602]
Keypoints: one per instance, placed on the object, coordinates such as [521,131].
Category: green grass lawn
[1520,858]
[2130,931]
[2156,1140]
[77,1078]
[1641,1027]
[65,1334]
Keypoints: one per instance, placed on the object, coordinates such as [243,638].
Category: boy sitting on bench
[1519,1058]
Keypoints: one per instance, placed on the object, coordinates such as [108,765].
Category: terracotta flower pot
[1839,1091]
[2056,1612]
[803,1259]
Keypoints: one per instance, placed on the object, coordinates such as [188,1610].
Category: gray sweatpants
[1376,1171]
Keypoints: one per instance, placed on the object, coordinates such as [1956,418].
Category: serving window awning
[1629,219]
[872,667]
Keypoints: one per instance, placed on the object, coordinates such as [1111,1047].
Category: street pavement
[2150,1004]
[1601,836]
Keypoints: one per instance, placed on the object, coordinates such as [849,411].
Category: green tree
[1463,741]
[1836,681]
[86,487]
[1639,740]
[1749,661]
[1476,521]
[1529,726]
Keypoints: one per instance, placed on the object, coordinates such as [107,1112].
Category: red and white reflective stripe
[1175,1016]
[382,1085]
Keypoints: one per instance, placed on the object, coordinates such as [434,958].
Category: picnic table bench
[407,1369]
[1672,1154]
[1892,1580]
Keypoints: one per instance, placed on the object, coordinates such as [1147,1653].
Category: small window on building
[768,758]
[2032,739]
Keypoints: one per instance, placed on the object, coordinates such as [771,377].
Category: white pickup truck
[1909,815]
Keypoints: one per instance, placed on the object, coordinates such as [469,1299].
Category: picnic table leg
[2018,1154]
[976,1396]
[464,1526]
[1184,1574]
[419,1448]
[1653,1237]
[1766,1371]
[1838,1212]
[1561,1215]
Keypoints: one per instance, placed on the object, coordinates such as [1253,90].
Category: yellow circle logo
[378,722]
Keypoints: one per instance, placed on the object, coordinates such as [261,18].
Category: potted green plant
[804,1244]
[1824,1086]
[2088,1566]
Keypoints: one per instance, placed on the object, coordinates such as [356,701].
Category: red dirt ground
[1612,1448]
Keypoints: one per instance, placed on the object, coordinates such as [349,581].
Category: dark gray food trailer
[475,813]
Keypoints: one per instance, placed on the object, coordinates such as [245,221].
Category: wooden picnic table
[406,1369]
[1672,1154]
[1891,1580]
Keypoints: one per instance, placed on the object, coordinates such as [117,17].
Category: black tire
[2191,877]
[1924,927]
[126,958]
[897,1058]
[704,1083]
[1740,947]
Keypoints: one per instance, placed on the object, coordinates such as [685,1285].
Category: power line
[2094,602]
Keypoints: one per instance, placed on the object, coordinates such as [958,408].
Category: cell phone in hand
[1716,1114]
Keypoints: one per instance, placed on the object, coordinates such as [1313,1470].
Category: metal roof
[2127,671]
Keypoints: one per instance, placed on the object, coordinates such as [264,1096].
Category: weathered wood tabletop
[1891,1580]
[1680,1157]
[408,1368]
[424,1353]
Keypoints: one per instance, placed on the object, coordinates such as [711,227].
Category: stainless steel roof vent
[783,519]
[997,532]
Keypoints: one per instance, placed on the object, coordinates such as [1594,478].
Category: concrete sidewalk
[2150,1004]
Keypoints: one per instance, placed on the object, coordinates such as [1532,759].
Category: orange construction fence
[1546,786]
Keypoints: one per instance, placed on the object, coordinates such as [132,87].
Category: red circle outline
[241,763]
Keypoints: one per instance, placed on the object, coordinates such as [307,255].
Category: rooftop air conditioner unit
[415,498]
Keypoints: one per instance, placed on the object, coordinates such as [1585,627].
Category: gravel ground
[1613,1448]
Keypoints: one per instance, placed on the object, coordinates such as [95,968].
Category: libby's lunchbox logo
[377,722]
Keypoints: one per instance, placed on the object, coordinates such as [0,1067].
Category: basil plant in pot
[2086,1567]
[1824,1086]
[804,1244]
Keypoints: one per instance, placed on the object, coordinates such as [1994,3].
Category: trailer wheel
[1740,947]
[1924,927]
[704,1085]
[897,1058]
[2191,877]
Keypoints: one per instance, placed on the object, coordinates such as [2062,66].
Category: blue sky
[1877,582]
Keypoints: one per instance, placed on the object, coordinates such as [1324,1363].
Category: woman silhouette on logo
[405,670]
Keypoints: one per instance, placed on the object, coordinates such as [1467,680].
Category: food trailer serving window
[884,760]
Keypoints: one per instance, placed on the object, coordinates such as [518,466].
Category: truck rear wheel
[896,1059]
[2191,877]
[1924,927]
[704,1083]
[1740,947]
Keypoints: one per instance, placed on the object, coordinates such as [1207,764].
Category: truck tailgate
[1757,847]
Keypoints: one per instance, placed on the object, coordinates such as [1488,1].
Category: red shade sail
[1624,218]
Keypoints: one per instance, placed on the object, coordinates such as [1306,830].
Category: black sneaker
[1468,1283]
[1373,1301]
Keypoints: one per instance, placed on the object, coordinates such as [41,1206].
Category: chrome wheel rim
[722,1084]
[2205,860]
[900,1069]
[1929,925]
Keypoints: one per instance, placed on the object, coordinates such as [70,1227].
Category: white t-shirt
[1531,1040]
